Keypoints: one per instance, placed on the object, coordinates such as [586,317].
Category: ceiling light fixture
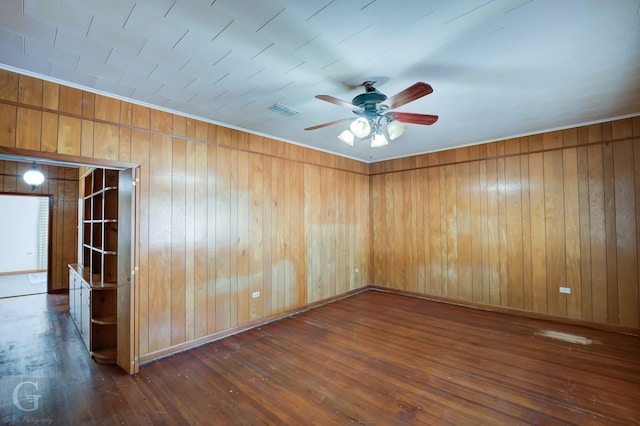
[395,129]
[378,140]
[374,116]
[360,127]
[365,127]
[33,177]
[347,137]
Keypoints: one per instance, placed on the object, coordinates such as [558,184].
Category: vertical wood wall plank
[267,232]
[28,129]
[493,234]
[527,271]
[124,145]
[378,217]
[597,234]
[8,116]
[398,256]
[464,231]
[476,229]
[223,238]
[86,139]
[69,134]
[9,83]
[389,229]
[190,239]
[502,228]
[30,90]
[201,255]
[106,141]
[244,236]
[610,232]
[50,95]
[278,221]
[233,235]
[178,241]
[636,168]
[256,261]
[435,232]
[555,232]
[514,227]
[418,240]
[299,275]
[572,232]
[211,223]
[160,165]
[585,238]
[627,250]
[70,100]
[140,154]
[49,137]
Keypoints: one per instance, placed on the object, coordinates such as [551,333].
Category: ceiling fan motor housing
[369,100]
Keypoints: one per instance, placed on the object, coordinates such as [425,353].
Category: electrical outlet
[356,270]
[565,290]
[255,294]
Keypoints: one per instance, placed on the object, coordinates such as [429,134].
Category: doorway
[66,170]
[24,244]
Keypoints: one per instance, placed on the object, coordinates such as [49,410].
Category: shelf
[98,267]
[106,320]
[105,355]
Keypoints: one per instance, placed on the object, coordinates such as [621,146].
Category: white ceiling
[498,68]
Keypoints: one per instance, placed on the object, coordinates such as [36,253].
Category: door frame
[65,160]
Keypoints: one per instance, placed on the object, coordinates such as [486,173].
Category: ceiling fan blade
[409,94]
[319,126]
[336,101]
[409,117]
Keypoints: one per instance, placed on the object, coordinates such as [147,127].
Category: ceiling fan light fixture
[360,127]
[378,140]
[347,137]
[395,129]
[33,177]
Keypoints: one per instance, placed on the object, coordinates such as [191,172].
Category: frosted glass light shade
[347,137]
[33,177]
[378,140]
[360,127]
[395,129]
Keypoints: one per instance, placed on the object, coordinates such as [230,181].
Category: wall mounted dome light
[33,177]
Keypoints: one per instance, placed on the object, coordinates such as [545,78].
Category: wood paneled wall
[62,183]
[509,223]
[222,214]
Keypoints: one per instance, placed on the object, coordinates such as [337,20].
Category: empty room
[323,212]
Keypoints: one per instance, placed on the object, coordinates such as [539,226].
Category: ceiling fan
[373,114]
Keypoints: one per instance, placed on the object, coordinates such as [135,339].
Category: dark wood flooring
[374,358]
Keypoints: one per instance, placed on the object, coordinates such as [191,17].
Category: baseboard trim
[512,311]
[172,350]
[30,271]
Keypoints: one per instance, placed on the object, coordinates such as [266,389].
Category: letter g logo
[18,399]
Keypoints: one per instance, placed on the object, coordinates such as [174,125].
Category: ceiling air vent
[284,110]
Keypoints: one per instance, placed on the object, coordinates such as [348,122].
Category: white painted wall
[18,233]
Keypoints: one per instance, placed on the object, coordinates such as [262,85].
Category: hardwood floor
[14,285]
[374,358]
